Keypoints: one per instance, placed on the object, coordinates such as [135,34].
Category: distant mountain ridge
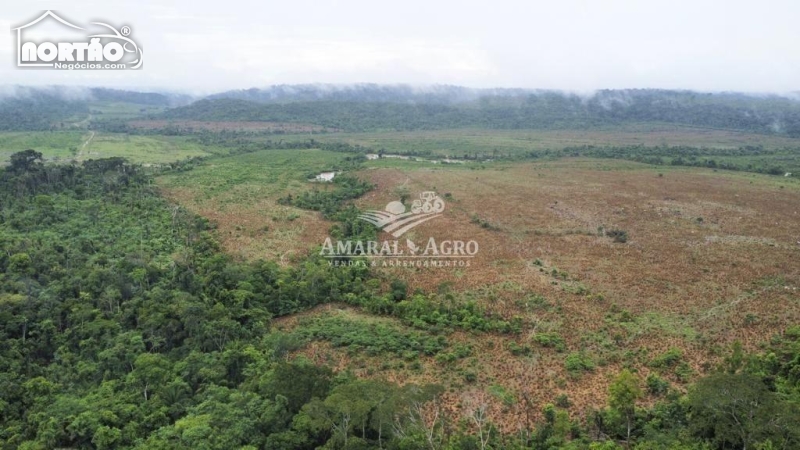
[141,98]
[451,94]
[400,107]
[367,93]
[368,107]
[25,108]
[85,94]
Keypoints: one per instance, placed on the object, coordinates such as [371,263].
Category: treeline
[116,125]
[749,158]
[527,110]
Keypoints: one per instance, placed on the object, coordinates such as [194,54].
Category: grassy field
[79,145]
[54,145]
[141,149]
[460,142]
[239,194]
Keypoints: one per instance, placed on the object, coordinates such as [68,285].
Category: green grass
[142,149]
[54,145]
[253,176]
[62,146]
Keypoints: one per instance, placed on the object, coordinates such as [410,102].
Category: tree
[739,410]
[298,382]
[623,393]
[151,371]
[476,405]
[24,161]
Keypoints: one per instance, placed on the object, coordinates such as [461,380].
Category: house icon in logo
[47,14]
[73,47]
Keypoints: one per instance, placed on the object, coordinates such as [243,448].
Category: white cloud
[7,39]
[273,56]
[570,44]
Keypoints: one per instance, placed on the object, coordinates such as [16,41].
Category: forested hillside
[401,109]
[52,108]
[123,326]
[37,112]
[139,98]
[367,93]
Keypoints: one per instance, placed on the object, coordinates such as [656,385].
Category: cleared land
[710,258]
[54,145]
[239,194]
[80,145]
[142,149]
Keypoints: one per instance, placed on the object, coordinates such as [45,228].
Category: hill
[372,107]
[51,107]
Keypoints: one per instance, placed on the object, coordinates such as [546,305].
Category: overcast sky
[205,46]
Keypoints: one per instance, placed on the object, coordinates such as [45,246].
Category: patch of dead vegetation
[259,230]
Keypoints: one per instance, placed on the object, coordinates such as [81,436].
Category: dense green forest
[51,108]
[537,110]
[139,98]
[124,326]
[37,112]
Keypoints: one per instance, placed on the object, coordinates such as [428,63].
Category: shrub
[370,338]
[518,350]
[550,340]
[668,359]
[470,377]
[577,363]
[620,236]
[657,385]
[485,224]
[399,290]
[502,394]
